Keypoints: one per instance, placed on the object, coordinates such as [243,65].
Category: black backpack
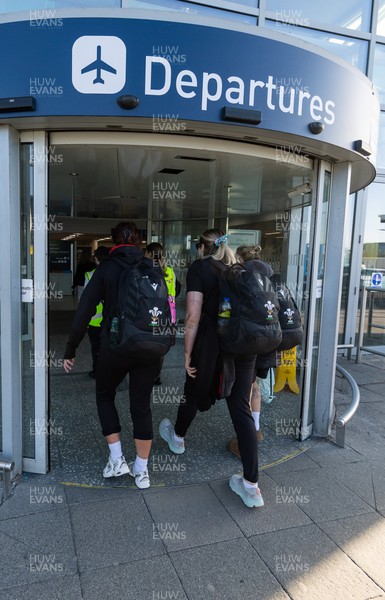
[253,325]
[289,318]
[142,326]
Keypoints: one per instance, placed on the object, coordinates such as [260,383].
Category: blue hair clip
[221,240]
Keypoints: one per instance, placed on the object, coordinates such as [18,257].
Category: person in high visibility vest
[94,326]
[154,251]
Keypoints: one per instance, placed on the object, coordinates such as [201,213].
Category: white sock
[140,464]
[256,419]
[115,450]
[249,486]
[177,438]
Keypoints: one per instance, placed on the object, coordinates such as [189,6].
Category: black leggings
[238,404]
[110,371]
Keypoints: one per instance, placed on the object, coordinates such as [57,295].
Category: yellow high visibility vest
[97,319]
[170,281]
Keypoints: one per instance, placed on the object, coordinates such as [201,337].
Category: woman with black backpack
[204,362]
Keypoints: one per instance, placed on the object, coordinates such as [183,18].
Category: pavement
[320,535]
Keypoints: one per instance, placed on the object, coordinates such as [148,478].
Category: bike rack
[350,410]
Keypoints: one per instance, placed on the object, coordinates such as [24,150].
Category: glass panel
[379,71]
[352,50]
[318,292]
[381,18]
[373,261]
[194,9]
[42,9]
[353,14]
[27,313]
[1,410]
[381,143]
[347,261]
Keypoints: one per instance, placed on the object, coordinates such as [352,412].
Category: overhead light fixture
[300,190]
[71,236]
[362,147]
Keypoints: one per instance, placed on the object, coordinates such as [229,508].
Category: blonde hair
[244,253]
[218,251]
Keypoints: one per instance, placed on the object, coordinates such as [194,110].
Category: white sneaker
[167,431]
[115,468]
[142,479]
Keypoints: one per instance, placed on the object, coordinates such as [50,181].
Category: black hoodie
[103,286]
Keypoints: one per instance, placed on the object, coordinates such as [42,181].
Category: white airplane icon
[98,65]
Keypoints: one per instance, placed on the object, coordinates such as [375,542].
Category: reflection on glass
[381,18]
[381,143]
[319,292]
[373,261]
[196,9]
[42,9]
[379,71]
[346,269]
[352,50]
[352,14]
[1,412]
[27,313]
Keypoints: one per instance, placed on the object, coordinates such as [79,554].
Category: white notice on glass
[318,292]
[27,290]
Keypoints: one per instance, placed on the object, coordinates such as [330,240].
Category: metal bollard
[6,466]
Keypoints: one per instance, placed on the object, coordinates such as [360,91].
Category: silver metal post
[6,467]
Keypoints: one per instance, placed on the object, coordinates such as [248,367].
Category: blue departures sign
[188,71]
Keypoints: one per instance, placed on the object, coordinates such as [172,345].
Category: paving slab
[358,478]
[113,532]
[36,547]
[321,497]
[326,454]
[310,566]
[60,588]
[275,514]
[142,580]
[297,463]
[190,516]
[33,494]
[230,570]
[362,538]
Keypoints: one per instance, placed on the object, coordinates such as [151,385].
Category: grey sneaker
[250,497]
[142,480]
[115,468]
[166,431]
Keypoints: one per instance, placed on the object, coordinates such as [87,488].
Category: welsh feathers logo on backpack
[142,326]
[248,315]
[289,318]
